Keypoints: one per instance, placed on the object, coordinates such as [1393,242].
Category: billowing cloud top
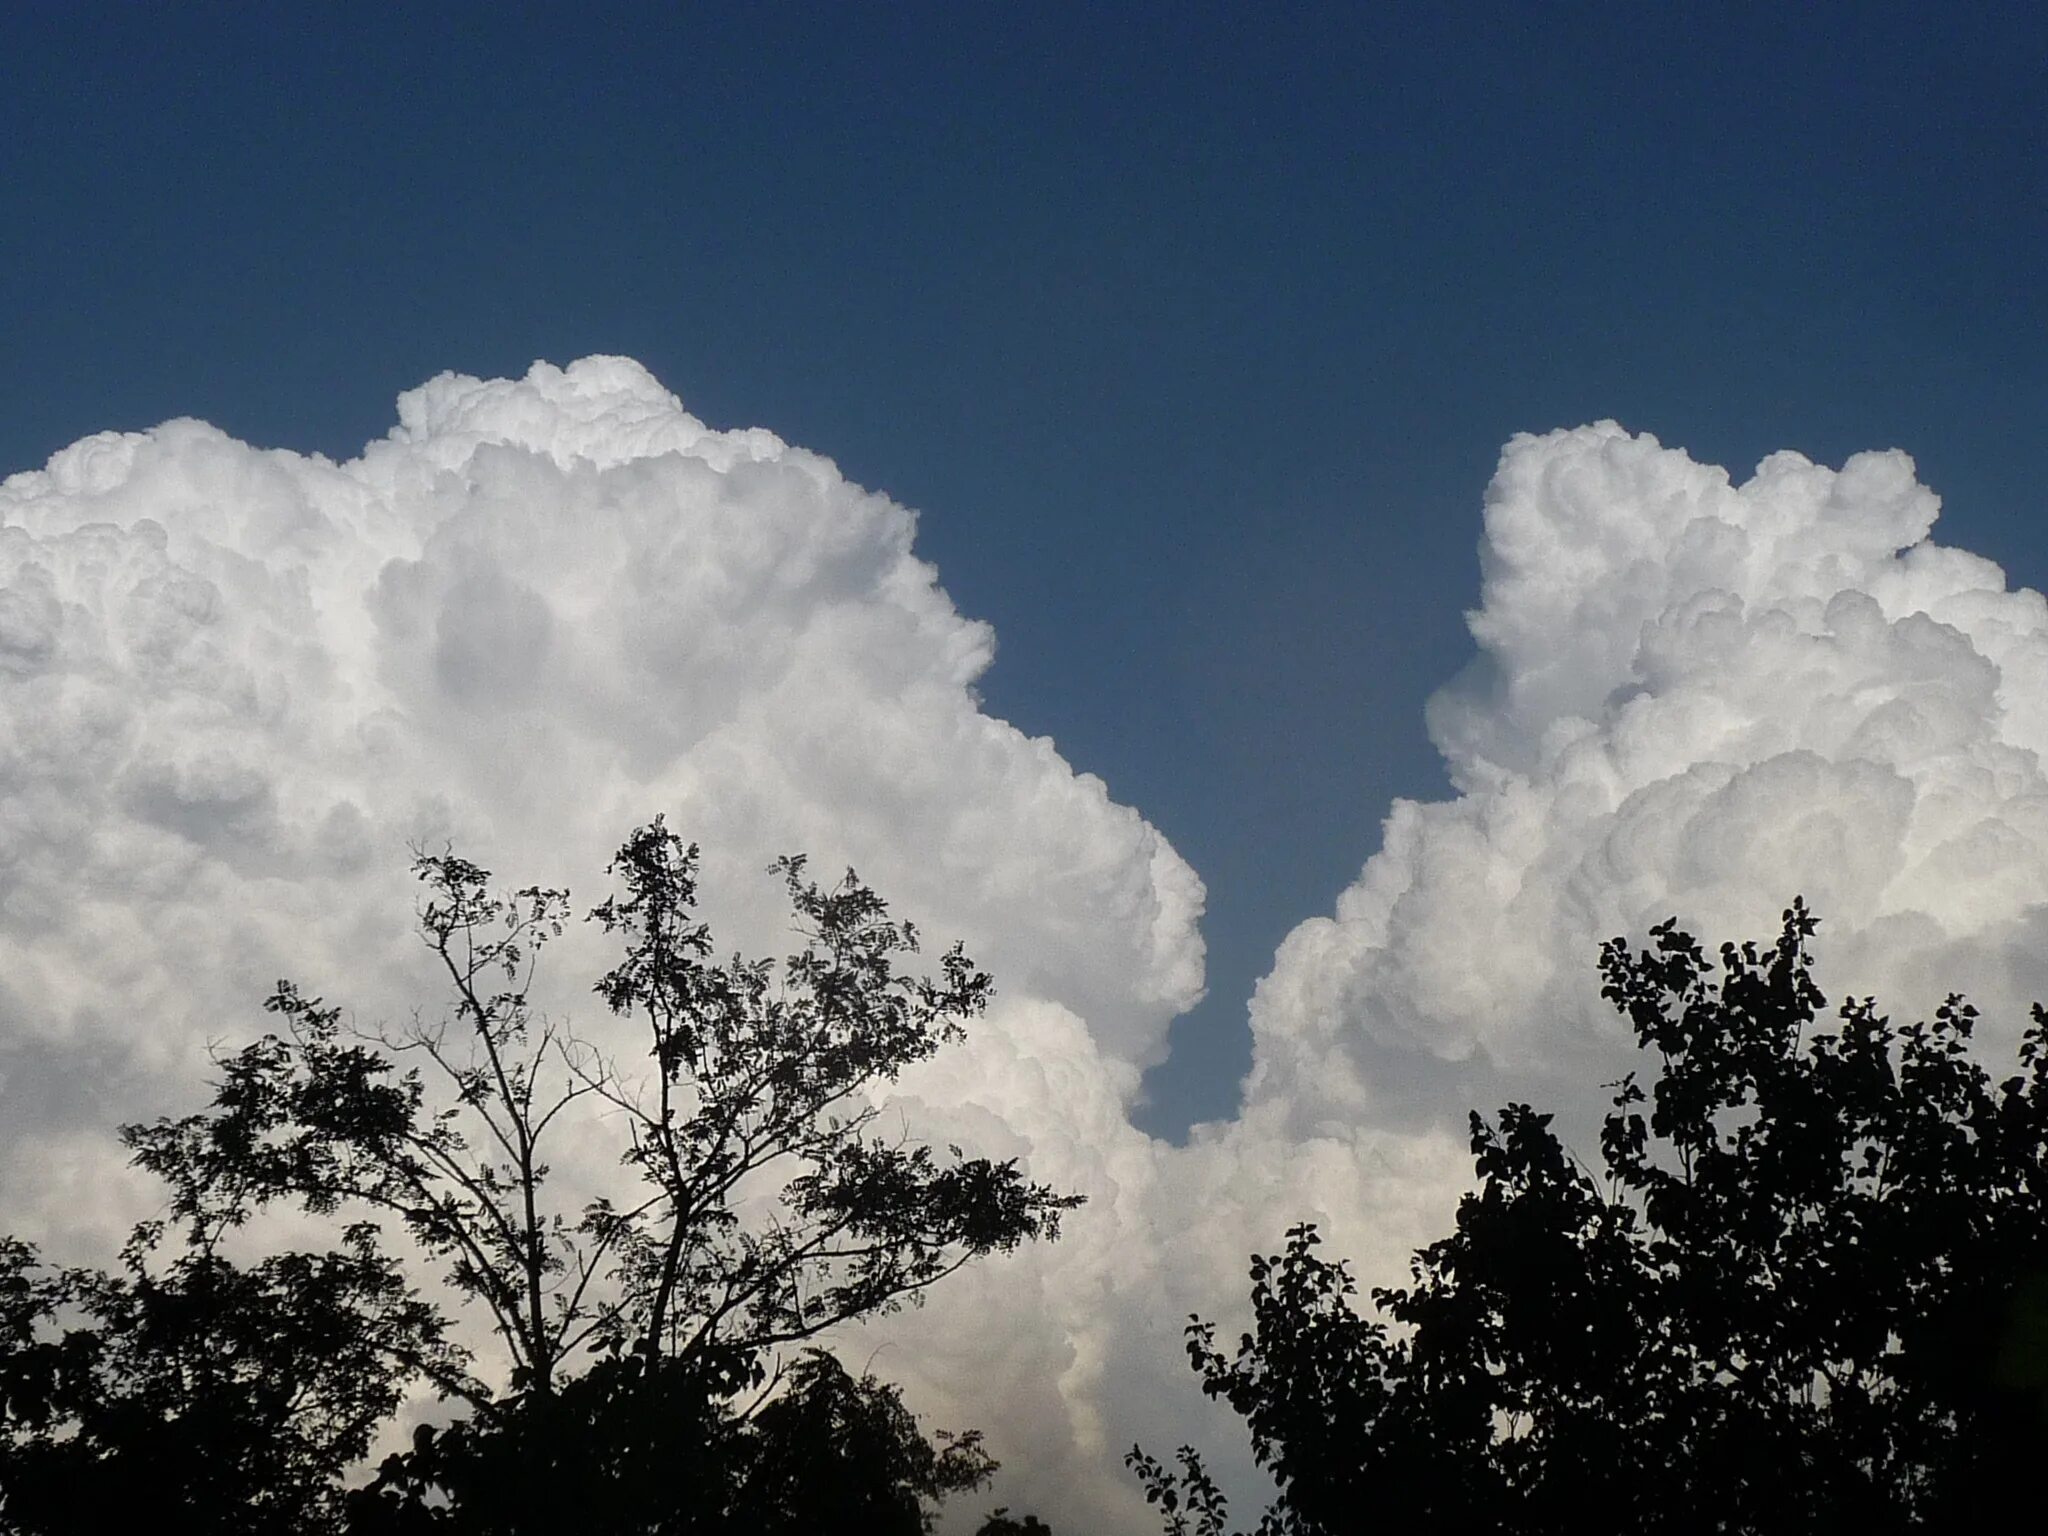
[1690,698]
[236,684]
[239,682]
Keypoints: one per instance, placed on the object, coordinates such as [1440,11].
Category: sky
[1129,479]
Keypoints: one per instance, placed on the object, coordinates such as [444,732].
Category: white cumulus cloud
[1691,698]
[236,683]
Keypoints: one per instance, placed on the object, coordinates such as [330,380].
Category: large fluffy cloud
[1690,698]
[236,684]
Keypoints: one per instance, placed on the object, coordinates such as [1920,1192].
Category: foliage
[202,1396]
[656,1447]
[631,1323]
[758,1077]
[1811,1292]
[1002,1523]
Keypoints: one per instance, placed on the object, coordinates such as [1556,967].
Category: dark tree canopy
[646,1382]
[759,1080]
[199,1395]
[1809,1292]
[639,1445]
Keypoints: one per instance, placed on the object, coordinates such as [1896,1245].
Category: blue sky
[1193,332]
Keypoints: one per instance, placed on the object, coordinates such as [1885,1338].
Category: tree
[1810,1293]
[633,1321]
[645,1446]
[1002,1523]
[199,1396]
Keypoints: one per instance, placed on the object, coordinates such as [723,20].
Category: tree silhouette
[1002,1523]
[639,1445]
[1810,1293]
[643,1385]
[199,1395]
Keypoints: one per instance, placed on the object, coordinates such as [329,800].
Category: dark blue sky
[1192,330]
